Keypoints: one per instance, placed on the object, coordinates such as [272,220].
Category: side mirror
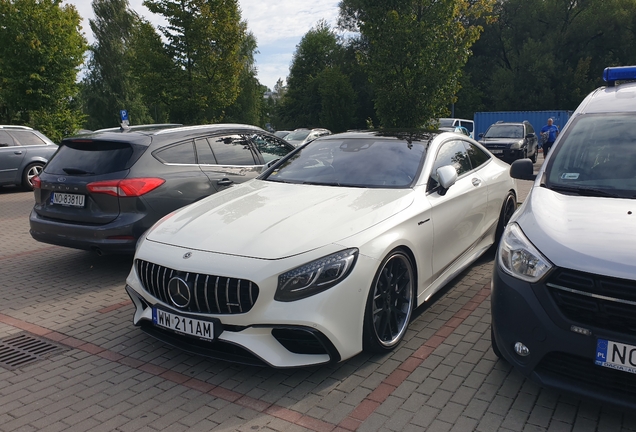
[531,135]
[481,135]
[522,169]
[447,176]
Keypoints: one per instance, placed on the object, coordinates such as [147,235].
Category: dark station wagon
[102,190]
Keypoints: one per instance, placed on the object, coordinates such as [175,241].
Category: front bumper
[559,357]
[323,328]
[506,154]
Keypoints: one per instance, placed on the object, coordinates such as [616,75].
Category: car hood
[590,234]
[269,220]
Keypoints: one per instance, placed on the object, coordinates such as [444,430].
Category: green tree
[249,102]
[318,92]
[204,39]
[547,54]
[414,52]
[109,84]
[41,50]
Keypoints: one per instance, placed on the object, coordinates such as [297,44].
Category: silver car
[564,283]
[301,136]
[23,154]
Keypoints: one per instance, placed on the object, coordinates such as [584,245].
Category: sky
[278,26]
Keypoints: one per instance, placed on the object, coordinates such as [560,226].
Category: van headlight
[316,276]
[519,258]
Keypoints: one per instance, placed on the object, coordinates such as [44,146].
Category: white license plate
[73,200]
[496,151]
[616,355]
[184,325]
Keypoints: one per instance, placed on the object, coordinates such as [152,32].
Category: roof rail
[15,127]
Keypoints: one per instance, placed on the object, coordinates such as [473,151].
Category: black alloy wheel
[507,210]
[390,303]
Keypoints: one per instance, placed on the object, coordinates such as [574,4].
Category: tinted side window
[204,152]
[529,129]
[177,154]
[232,150]
[270,148]
[5,139]
[476,155]
[452,153]
[26,138]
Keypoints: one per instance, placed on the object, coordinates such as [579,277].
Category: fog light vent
[522,350]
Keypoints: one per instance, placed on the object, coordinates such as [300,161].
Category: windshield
[356,162]
[297,135]
[596,157]
[504,131]
[446,122]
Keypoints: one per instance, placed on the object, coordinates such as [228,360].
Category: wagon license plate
[183,325]
[65,199]
[496,151]
[616,355]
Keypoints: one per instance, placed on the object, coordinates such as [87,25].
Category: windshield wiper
[275,180]
[76,171]
[585,191]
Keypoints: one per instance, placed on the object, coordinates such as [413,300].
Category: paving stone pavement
[112,377]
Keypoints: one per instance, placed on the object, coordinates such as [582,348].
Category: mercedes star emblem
[179,292]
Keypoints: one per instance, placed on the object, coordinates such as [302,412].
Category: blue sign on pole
[123,114]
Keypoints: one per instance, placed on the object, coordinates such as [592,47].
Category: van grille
[600,301]
[209,294]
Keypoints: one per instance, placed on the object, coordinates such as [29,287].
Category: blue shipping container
[537,119]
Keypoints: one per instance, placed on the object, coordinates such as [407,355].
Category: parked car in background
[326,253]
[564,282]
[301,136]
[23,153]
[511,141]
[282,133]
[451,125]
[101,191]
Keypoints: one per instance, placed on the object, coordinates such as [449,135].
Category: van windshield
[597,156]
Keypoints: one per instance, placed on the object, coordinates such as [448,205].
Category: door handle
[476,182]
[224,182]
[18,152]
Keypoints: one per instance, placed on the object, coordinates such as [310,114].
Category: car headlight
[516,145]
[316,276]
[519,258]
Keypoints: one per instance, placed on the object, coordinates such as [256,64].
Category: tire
[535,155]
[31,171]
[390,303]
[507,210]
[493,343]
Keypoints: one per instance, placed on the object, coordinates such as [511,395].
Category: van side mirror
[481,135]
[522,169]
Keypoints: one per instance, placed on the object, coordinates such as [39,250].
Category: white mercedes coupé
[326,253]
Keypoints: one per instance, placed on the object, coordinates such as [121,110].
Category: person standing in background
[549,134]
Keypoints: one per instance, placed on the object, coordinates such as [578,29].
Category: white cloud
[278,27]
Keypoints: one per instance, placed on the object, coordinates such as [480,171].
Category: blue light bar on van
[620,73]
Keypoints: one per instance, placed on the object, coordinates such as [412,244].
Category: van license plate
[616,355]
[65,199]
[189,326]
[496,151]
